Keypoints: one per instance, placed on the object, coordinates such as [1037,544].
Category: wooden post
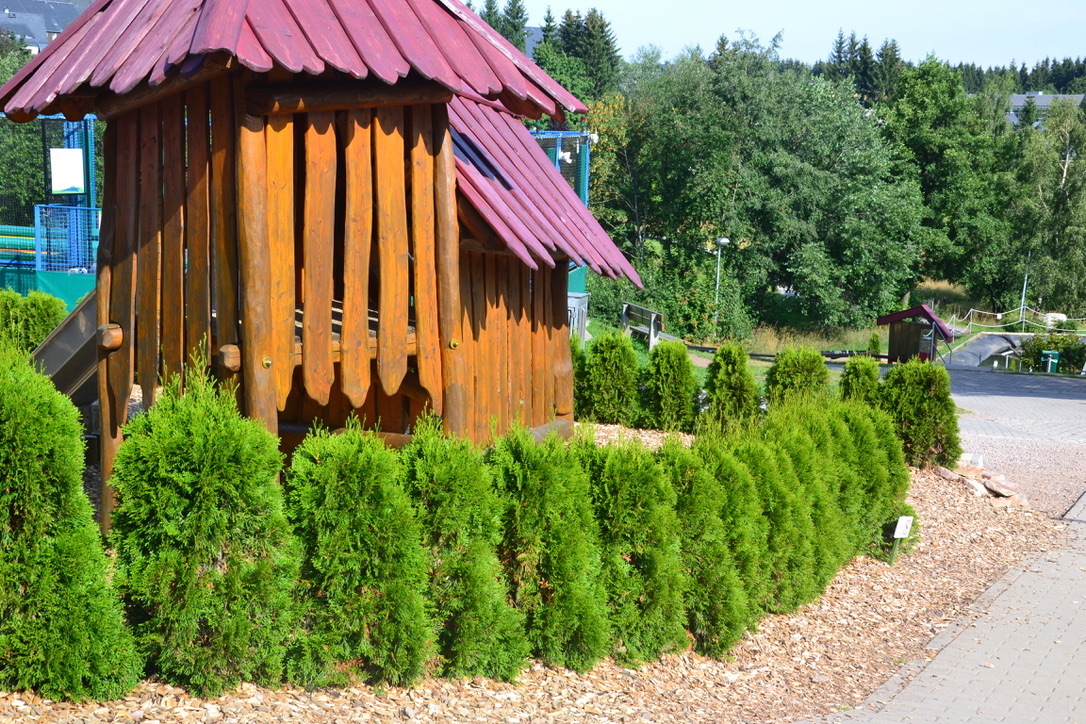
[258,376]
[423,232]
[224,246]
[318,239]
[354,336]
[453,371]
[109,430]
[392,248]
[563,361]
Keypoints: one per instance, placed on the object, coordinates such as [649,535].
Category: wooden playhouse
[333,201]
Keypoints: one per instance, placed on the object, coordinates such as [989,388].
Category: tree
[599,53]
[492,14]
[888,68]
[513,24]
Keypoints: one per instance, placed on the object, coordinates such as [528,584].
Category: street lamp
[721,242]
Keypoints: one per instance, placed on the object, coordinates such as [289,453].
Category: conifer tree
[599,53]
[514,22]
[733,395]
[206,560]
[62,629]
[460,516]
[492,14]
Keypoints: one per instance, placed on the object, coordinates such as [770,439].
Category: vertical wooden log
[354,336]
[198,227]
[149,256]
[224,243]
[280,150]
[110,435]
[493,381]
[173,235]
[319,243]
[563,361]
[484,380]
[455,374]
[523,344]
[506,395]
[548,334]
[391,247]
[540,359]
[256,349]
[427,340]
[462,361]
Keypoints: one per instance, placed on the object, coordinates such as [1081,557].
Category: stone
[999,485]
[975,460]
[976,488]
[946,474]
[1011,501]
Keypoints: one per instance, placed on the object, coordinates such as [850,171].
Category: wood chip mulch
[827,657]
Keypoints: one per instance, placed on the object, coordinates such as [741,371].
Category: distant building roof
[1041,101]
[923,312]
[37,21]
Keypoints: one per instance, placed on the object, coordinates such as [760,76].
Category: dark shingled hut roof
[118,45]
[921,312]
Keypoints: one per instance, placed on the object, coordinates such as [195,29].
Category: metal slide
[68,355]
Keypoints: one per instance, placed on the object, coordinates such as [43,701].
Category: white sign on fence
[67,170]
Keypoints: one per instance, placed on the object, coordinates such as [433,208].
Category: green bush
[732,394]
[717,609]
[917,396]
[364,567]
[667,388]
[1072,351]
[25,322]
[796,371]
[874,345]
[743,516]
[860,380]
[640,546]
[62,630]
[551,549]
[610,379]
[206,560]
[460,516]
[578,358]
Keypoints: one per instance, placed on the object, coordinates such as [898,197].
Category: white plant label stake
[904,525]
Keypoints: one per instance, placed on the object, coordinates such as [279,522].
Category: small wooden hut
[915,332]
[333,201]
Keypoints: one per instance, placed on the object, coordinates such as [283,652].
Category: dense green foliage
[609,391]
[25,322]
[732,395]
[1072,351]
[206,559]
[640,548]
[551,550]
[667,388]
[364,569]
[460,517]
[917,397]
[62,630]
[796,371]
[860,380]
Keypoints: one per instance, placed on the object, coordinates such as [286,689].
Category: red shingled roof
[118,44]
[507,177]
[923,312]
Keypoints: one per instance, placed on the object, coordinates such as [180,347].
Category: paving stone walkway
[1023,657]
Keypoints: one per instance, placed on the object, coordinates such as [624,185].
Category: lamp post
[721,242]
[1021,306]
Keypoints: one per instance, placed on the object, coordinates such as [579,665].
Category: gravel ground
[827,657]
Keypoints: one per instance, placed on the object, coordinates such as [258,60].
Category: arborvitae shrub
[610,379]
[874,345]
[364,569]
[25,322]
[732,393]
[578,358]
[851,485]
[640,549]
[860,380]
[479,633]
[917,396]
[206,559]
[551,549]
[886,498]
[668,387]
[62,630]
[796,371]
[717,610]
[741,513]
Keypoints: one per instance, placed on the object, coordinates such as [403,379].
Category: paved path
[1025,659]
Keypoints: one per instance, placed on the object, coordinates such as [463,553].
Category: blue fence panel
[66,238]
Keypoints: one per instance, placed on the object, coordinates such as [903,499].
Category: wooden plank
[476,272]
[224,246]
[525,336]
[173,235]
[149,253]
[279,137]
[464,355]
[517,340]
[455,375]
[174,30]
[122,307]
[548,347]
[540,412]
[371,40]
[494,381]
[110,437]
[427,339]
[507,398]
[357,252]
[563,361]
[279,35]
[120,50]
[325,33]
[257,346]
[197,227]
[414,44]
[219,27]
[309,97]
[391,247]
[449,37]
[319,240]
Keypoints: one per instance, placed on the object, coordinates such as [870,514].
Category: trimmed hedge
[62,630]
[478,632]
[668,387]
[731,392]
[364,572]
[860,380]
[206,559]
[609,388]
[916,394]
[796,371]
[25,322]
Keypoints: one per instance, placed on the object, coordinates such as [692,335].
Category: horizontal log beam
[305,98]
